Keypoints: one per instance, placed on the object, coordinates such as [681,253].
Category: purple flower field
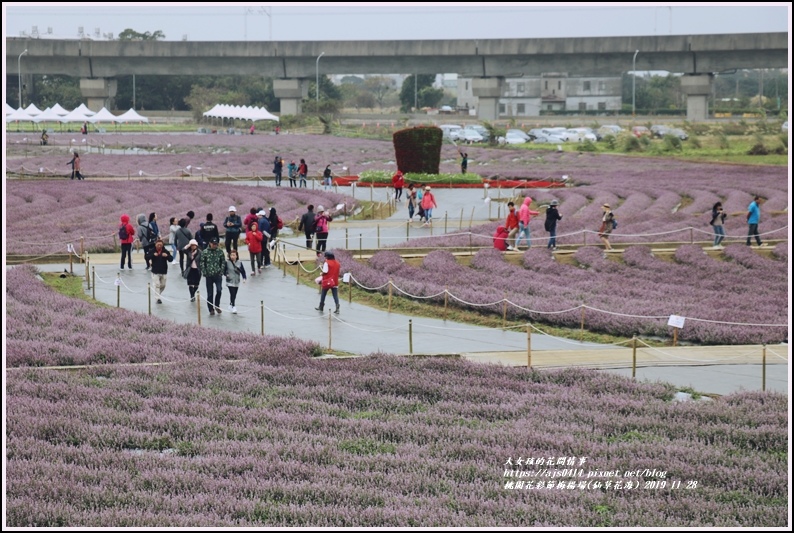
[276,438]
[93,209]
[744,288]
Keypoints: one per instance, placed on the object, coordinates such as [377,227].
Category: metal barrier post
[149,297]
[763,370]
[410,337]
[634,357]
[93,283]
[262,316]
[529,346]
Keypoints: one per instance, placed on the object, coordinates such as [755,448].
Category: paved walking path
[289,310]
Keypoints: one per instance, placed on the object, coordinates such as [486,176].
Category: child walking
[234,271]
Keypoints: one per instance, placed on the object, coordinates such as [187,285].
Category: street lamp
[317,80]
[19,70]
[633,82]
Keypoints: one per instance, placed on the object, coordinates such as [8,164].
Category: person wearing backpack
[307,225]
[183,237]
[146,236]
[126,237]
[607,225]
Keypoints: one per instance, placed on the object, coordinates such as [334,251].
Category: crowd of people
[507,236]
[200,254]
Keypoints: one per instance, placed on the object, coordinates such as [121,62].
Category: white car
[479,129]
[512,138]
[469,135]
[784,127]
[450,131]
[581,134]
[518,133]
[549,138]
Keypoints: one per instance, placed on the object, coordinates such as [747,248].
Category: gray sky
[378,21]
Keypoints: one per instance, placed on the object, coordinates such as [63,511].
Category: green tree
[51,90]
[379,87]
[410,90]
[131,35]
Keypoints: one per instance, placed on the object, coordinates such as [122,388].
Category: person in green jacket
[213,268]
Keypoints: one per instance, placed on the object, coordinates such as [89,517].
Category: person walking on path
[307,225]
[172,229]
[321,221]
[398,182]
[278,168]
[234,271]
[718,223]
[511,225]
[193,267]
[250,217]
[411,195]
[303,171]
[183,238]
[208,230]
[159,257]
[327,178]
[292,172]
[273,219]
[552,216]
[75,163]
[428,204]
[264,227]
[607,224]
[126,238]
[330,280]
[753,218]
[147,234]
[525,214]
[213,267]
[233,224]
[254,237]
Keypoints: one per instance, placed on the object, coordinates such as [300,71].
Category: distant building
[553,91]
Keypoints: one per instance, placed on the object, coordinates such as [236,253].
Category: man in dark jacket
[307,225]
[232,224]
[552,216]
[208,231]
[213,268]
[159,257]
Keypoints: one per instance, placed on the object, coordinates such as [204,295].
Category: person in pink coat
[524,216]
[428,204]
[500,239]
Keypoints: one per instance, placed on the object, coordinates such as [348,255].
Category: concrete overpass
[293,64]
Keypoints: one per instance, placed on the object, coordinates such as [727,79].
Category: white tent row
[78,115]
[240,112]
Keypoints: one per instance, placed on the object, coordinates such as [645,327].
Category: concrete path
[276,303]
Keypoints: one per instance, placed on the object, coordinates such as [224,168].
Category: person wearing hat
[213,268]
[552,216]
[264,227]
[233,224]
[428,204]
[192,270]
[321,221]
[330,280]
[159,257]
[292,172]
[606,226]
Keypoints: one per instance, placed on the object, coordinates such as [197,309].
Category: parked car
[658,130]
[482,130]
[548,138]
[534,132]
[784,127]
[609,129]
[469,135]
[640,131]
[582,134]
[511,137]
[450,131]
[681,134]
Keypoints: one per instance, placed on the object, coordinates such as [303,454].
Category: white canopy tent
[19,115]
[83,109]
[75,116]
[48,115]
[131,116]
[240,112]
[58,109]
[9,109]
[32,110]
[103,115]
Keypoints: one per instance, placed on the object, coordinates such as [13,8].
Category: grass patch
[69,285]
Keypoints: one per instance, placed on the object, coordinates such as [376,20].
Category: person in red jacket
[253,237]
[499,239]
[524,216]
[511,225]
[330,280]
[126,244]
[398,181]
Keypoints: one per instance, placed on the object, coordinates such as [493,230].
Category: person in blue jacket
[753,218]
